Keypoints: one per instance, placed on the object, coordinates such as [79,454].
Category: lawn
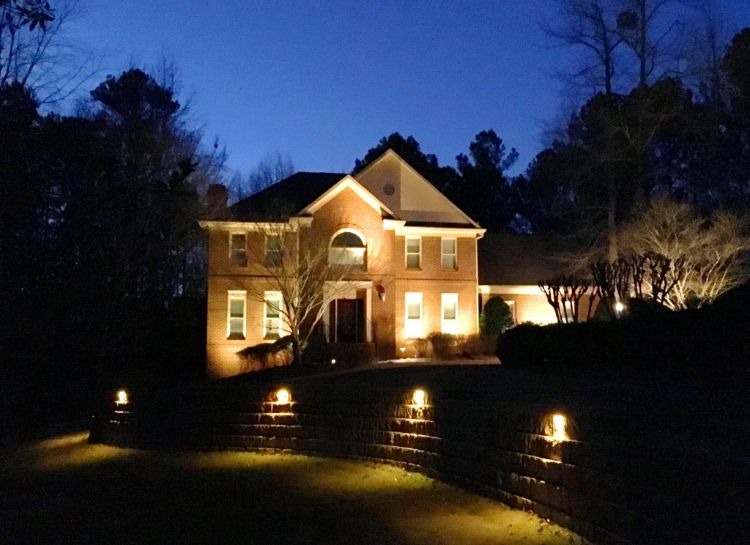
[64,490]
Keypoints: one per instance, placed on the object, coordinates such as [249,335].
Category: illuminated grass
[66,491]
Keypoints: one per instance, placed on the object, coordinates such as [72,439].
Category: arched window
[347,249]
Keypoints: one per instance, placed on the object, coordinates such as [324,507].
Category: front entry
[346,320]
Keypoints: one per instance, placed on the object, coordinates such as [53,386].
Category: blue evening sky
[323,81]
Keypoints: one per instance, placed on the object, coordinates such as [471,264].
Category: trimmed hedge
[706,339]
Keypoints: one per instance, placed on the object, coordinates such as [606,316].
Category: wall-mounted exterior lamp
[121,398]
[380,291]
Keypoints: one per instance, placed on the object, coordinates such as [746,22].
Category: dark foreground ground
[64,490]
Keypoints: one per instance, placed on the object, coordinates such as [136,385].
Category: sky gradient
[324,81]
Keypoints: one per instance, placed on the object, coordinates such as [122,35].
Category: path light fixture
[121,397]
[419,398]
[559,427]
[619,308]
[283,397]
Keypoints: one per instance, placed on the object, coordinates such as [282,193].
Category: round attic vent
[388,189]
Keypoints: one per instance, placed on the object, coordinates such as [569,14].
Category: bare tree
[35,52]
[273,168]
[654,44]
[295,262]
[589,26]
[705,49]
[705,255]
[564,295]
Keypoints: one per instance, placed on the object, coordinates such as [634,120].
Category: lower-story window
[236,311]
[272,315]
[414,328]
[449,304]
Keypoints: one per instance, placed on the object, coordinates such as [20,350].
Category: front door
[347,319]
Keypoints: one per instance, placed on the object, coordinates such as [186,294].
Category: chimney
[216,201]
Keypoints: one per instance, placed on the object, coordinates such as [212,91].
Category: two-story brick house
[415,254]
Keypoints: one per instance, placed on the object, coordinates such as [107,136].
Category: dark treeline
[101,257]
[666,139]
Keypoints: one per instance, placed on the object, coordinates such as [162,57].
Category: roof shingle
[285,198]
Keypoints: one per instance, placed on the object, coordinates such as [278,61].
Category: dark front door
[348,321]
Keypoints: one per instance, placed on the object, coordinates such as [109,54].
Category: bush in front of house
[266,355]
[446,346]
[708,339]
[496,316]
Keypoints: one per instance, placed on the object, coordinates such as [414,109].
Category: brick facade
[382,285]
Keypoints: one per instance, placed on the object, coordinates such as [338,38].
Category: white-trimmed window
[274,250]
[348,249]
[512,307]
[272,315]
[414,328]
[449,313]
[449,253]
[413,252]
[236,313]
[238,249]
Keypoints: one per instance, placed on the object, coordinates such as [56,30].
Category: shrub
[704,340]
[496,316]
[478,345]
[444,345]
[266,355]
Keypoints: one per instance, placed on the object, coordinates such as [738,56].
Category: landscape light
[419,398]
[619,307]
[333,361]
[121,398]
[283,397]
[559,423]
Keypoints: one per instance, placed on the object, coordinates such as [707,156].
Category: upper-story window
[348,249]
[413,252]
[449,254]
[274,250]
[238,249]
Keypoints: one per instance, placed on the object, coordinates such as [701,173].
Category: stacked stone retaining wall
[600,481]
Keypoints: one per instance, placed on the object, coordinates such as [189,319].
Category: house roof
[285,198]
[509,259]
[414,201]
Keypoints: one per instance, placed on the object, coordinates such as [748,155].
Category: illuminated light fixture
[381,292]
[419,398]
[333,361]
[283,397]
[619,307]
[121,398]
[403,350]
[559,425]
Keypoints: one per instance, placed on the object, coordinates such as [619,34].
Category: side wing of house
[511,267]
